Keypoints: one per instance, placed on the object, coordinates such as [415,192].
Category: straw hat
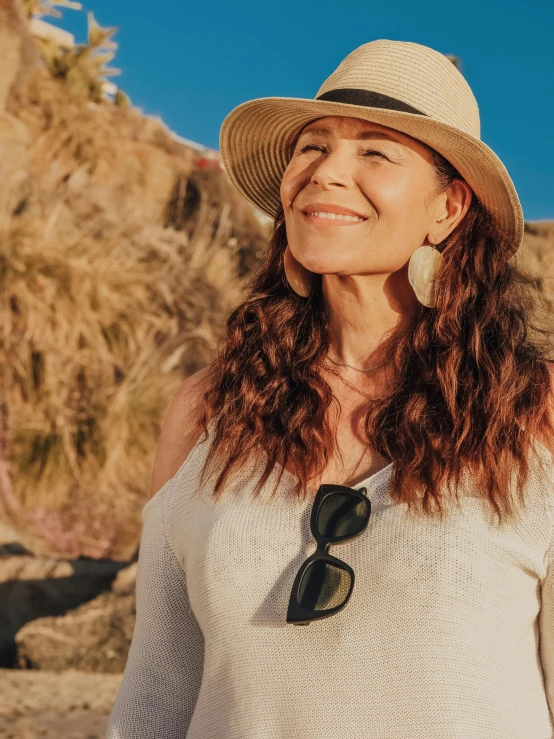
[400,84]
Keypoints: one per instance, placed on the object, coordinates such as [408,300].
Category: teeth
[337,216]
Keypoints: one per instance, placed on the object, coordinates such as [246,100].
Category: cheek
[290,186]
[395,193]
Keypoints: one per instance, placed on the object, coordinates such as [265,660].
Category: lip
[329,208]
[330,222]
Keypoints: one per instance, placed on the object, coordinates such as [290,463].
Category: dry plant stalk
[103,312]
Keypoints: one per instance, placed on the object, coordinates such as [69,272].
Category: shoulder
[181,429]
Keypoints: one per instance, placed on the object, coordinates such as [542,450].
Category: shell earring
[299,278]
[423,266]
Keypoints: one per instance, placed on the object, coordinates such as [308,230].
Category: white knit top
[448,634]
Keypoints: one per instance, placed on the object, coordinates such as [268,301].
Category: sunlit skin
[387,178]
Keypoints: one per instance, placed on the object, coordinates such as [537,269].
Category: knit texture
[448,634]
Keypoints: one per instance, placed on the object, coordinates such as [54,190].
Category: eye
[368,152]
[373,151]
[309,146]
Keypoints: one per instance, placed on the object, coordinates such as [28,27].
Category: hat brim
[256,137]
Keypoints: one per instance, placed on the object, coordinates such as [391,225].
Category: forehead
[335,126]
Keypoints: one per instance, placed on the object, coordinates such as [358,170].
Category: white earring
[423,266]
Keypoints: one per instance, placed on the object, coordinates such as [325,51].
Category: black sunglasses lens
[342,515]
[323,586]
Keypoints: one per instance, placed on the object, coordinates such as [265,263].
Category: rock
[27,567]
[35,587]
[92,638]
[125,580]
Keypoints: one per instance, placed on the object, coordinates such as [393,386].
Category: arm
[165,663]
[546,628]
[546,614]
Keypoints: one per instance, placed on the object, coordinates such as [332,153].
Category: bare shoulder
[181,429]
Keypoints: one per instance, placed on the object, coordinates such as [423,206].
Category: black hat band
[368,99]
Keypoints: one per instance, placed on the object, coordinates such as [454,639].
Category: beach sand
[47,705]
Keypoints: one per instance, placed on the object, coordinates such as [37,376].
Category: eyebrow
[362,135]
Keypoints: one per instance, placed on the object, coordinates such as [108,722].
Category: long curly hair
[471,387]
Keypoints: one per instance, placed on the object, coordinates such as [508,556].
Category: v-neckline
[369,482]
[375,476]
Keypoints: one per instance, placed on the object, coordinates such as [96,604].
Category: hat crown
[414,74]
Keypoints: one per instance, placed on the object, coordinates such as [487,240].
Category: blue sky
[192,64]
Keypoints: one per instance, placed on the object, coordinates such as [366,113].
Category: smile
[332,219]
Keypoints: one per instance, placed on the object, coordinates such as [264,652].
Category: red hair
[471,388]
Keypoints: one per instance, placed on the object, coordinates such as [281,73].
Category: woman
[377,389]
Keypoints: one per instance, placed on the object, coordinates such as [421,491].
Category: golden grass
[104,311]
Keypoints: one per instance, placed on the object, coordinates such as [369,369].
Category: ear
[449,209]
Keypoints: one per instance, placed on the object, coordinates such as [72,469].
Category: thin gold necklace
[359,462]
[358,369]
[337,373]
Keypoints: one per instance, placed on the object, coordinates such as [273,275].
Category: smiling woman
[334,372]
[398,199]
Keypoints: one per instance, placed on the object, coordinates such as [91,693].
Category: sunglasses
[324,583]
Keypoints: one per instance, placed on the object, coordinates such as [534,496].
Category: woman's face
[380,174]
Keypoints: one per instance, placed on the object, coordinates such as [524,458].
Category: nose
[332,168]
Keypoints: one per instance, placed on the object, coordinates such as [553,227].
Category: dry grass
[104,311]
[537,254]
